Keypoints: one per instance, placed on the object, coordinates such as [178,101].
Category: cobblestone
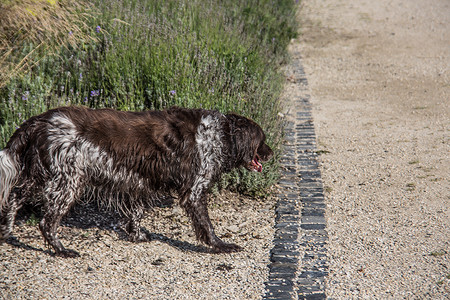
[298,261]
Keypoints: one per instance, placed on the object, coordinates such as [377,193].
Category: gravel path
[171,266]
[379,78]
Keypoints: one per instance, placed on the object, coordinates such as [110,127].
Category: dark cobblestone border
[314,267]
[300,212]
[285,253]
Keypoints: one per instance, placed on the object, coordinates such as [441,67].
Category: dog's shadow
[90,215]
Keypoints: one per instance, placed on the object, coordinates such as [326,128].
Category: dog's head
[248,143]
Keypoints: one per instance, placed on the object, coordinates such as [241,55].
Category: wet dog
[128,159]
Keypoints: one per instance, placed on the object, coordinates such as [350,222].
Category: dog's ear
[246,137]
[265,152]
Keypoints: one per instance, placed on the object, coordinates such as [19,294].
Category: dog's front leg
[195,205]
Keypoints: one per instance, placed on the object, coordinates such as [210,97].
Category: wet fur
[127,159]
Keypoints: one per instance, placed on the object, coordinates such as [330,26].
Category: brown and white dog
[129,159]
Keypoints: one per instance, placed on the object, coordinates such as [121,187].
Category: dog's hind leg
[59,196]
[9,212]
[133,227]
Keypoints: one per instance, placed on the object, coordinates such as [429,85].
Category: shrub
[139,54]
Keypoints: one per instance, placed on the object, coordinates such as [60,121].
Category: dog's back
[105,145]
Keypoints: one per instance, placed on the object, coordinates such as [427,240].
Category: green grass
[32,220]
[138,55]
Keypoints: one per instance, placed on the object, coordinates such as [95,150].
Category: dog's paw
[226,248]
[138,237]
[67,253]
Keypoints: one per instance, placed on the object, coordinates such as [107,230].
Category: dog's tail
[9,173]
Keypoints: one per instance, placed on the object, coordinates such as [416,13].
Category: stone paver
[299,256]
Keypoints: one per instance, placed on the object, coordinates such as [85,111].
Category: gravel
[171,266]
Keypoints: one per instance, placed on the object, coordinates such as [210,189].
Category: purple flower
[25,96]
[172,92]
[273,40]
[85,100]
[70,32]
[95,93]
[98,28]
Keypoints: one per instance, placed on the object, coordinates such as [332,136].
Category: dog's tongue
[257,165]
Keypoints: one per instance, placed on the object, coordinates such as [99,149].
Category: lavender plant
[143,54]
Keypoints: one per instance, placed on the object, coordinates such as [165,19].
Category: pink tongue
[258,165]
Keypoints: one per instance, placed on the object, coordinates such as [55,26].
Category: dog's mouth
[255,165]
